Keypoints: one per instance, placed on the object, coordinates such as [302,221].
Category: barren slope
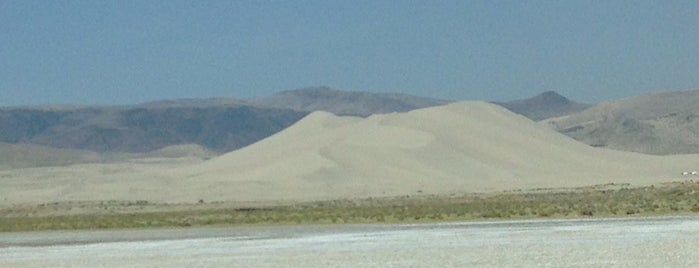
[659,123]
[457,148]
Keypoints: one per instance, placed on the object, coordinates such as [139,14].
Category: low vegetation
[603,201]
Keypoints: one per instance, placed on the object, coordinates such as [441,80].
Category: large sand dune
[456,148]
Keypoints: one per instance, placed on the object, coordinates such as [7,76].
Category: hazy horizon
[128,52]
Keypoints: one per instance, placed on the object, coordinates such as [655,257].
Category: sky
[127,52]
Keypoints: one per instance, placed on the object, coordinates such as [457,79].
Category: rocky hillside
[658,123]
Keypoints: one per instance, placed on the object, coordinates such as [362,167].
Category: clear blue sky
[117,52]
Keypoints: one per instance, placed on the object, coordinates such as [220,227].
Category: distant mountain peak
[543,106]
[551,96]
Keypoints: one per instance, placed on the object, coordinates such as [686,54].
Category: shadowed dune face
[456,148]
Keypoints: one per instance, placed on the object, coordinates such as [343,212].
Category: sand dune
[456,148]
[462,147]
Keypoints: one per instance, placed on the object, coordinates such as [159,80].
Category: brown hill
[658,123]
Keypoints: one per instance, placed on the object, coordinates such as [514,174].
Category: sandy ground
[458,148]
[635,242]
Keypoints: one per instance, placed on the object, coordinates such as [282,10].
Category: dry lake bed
[619,242]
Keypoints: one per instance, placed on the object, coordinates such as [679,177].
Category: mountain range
[218,124]
[143,129]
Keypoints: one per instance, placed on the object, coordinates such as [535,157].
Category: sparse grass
[674,198]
